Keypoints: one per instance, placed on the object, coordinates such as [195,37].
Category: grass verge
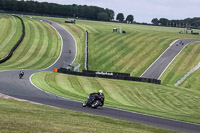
[12,30]
[26,117]
[39,49]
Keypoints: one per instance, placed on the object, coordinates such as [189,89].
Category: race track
[156,70]
[11,85]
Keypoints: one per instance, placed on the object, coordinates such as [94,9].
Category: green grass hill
[39,49]
[11,31]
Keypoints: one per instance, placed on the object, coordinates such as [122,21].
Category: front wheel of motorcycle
[84,104]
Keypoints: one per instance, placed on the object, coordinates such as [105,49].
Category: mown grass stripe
[31,46]
[154,98]
[108,47]
[23,48]
[90,29]
[106,52]
[41,46]
[122,55]
[53,46]
[109,53]
[105,44]
[37,56]
[4,27]
[12,40]
[8,30]
[34,46]
[45,49]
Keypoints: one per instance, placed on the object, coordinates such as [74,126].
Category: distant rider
[21,73]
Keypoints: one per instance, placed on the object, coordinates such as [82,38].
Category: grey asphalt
[11,85]
[161,64]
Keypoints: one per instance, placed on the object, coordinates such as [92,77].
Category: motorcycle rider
[99,94]
[21,73]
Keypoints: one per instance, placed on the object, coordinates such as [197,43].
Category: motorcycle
[94,101]
[21,75]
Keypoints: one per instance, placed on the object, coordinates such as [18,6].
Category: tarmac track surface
[11,85]
[156,70]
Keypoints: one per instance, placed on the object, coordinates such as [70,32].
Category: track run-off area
[12,86]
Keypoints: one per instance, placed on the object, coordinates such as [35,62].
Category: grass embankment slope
[193,81]
[25,117]
[132,52]
[39,49]
[179,104]
[183,63]
[11,30]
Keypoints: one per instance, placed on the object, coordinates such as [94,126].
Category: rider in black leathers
[98,94]
[21,73]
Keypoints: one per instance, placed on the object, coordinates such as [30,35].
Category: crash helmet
[100,91]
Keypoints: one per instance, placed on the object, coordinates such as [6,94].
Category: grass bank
[11,30]
[25,117]
[169,102]
[39,49]
[193,81]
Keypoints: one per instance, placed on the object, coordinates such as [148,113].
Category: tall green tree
[130,19]
[103,16]
[163,21]
[155,21]
[31,6]
[110,13]
[120,17]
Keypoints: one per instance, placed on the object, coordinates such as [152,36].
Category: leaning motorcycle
[94,101]
[21,75]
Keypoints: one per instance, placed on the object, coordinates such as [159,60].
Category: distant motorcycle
[21,74]
[94,100]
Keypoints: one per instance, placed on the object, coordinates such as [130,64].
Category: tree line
[76,11]
[185,23]
[129,18]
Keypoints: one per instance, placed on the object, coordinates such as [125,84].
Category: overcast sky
[143,10]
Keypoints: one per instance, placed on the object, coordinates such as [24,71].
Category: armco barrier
[110,75]
[86,50]
[17,44]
